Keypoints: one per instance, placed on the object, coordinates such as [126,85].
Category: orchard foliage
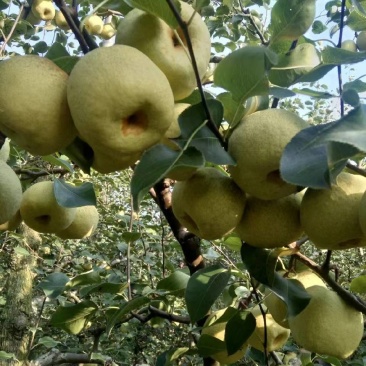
[140,288]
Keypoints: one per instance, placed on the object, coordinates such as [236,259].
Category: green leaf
[233,110]
[293,65]
[66,63]
[358,284]
[314,93]
[318,27]
[203,289]
[21,251]
[73,319]
[154,165]
[166,358]
[104,288]
[68,195]
[80,153]
[58,162]
[244,72]
[233,242]
[356,20]
[238,329]
[280,93]
[339,56]
[54,284]
[357,85]
[130,237]
[84,279]
[48,342]
[175,283]
[307,164]
[351,97]
[290,19]
[125,309]
[208,345]
[41,47]
[4,355]
[261,264]
[159,8]
[56,51]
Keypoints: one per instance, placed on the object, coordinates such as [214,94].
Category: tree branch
[349,298]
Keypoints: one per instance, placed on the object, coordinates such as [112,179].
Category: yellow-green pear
[33,19]
[330,217]
[361,41]
[13,223]
[173,131]
[93,24]
[84,224]
[271,224]
[257,144]
[349,45]
[10,192]
[41,212]
[108,31]
[276,336]
[125,107]
[43,9]
[5,150]
[152,36]
[43,125]
[328,325]
[362,213]
[217,330]
[209,204]
[60,21]
[277,307]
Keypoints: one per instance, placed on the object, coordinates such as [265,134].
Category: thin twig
[339,67]
[7,39]
[183,25]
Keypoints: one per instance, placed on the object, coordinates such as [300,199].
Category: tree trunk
[16,316]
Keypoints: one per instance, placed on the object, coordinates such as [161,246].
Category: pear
[60,21]
[270,224]
[330,217]
[173,131]
[84,224]
[43,125]
[93,24]
[43,9]
[361,213]
[328,325]
[209,203]
[108,31]
[13,223]
[152,36]
[349,45]
[257,144]
[361,41]
[277,307]
[41,212]
[10,192]
[277,336]
[125,116]
[5,151]
[216,329]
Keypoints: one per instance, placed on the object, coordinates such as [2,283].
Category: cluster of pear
[38,207]
[258,205]
[326,326]
[119,99]
[45,10]
[276,335]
